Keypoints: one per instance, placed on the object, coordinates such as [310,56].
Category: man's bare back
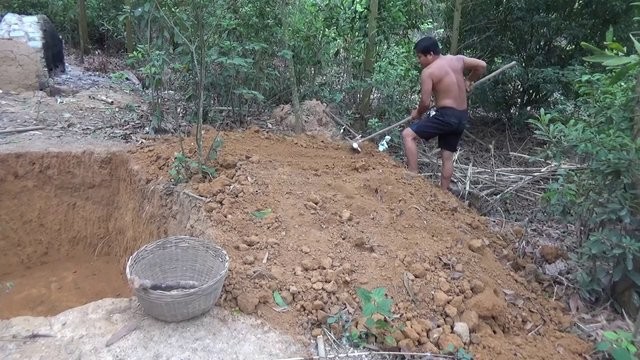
[444,78]
[447,78]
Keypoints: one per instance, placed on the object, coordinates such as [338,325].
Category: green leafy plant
[618,344]
[602,197]
[376,310]
[183,168]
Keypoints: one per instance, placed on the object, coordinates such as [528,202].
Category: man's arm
[475,67]
[426,84]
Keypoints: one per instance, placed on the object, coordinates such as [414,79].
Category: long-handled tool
[356,144]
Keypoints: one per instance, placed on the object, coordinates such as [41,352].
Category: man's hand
[468,84]
[415,115]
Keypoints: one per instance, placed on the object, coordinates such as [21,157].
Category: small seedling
[375,302]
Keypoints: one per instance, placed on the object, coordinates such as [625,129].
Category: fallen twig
[187,192]
[102,98]
[125,330]
[21,130]
[535,330]
[31,336]
[426,356]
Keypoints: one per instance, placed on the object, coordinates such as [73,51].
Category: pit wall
[54,205]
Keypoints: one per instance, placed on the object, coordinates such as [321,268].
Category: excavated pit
[68,221]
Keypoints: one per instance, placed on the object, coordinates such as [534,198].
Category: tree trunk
[201,77]
[368,64]
[129,29]
[82,29]
[298,127]
[455,32]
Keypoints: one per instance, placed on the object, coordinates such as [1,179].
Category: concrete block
[11,19]
[17,33]
[30,19]
[35,44]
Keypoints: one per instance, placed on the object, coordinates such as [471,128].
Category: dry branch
[21,130]
[491,184]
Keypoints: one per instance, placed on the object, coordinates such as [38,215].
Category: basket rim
[209,283]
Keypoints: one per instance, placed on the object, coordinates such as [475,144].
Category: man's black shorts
[446,123]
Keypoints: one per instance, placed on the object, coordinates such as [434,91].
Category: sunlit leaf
[277,298]
[261,214]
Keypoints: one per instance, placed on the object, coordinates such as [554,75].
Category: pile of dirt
[315,120]
[313,220]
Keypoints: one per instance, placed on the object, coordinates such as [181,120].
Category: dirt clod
[550,253]
[411,334]
[440,298]
[450,339]
[407,345]
[418,270]
[488,305]
[477,286]
[444,285]
[451,311]
[247,303]
[471,318]
[476,245]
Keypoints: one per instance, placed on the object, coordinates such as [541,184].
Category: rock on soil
[81,333]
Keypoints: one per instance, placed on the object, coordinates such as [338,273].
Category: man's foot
[410,175]
[454,190]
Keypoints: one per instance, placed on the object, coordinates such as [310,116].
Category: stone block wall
[22,28]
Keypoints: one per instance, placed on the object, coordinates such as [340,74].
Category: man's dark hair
[427,45]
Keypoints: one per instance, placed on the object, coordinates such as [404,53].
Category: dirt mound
[313,220]
[315,121]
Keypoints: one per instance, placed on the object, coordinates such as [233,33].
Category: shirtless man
[442,75]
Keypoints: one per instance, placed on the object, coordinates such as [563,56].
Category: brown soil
[68,221]
[341,220]
[314,119]
[20,66]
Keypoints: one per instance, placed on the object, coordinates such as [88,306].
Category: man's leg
[447,169]
[410,140]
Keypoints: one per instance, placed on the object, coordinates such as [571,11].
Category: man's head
[427,50]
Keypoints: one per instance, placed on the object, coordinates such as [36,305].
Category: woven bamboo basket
[178,259]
